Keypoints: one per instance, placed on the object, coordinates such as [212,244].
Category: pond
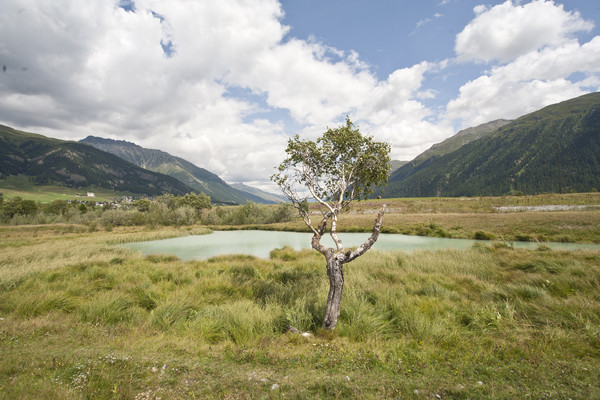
[260,243]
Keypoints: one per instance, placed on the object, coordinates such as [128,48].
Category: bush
[18,206]
[248,214]
[482,235]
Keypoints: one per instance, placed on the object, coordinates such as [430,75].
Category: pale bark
[335,262]
[362,249]
[336,286]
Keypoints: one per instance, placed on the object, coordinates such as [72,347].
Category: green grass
[13,186]
[473,218]
[83,319]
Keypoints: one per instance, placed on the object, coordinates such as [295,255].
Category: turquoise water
[260,243]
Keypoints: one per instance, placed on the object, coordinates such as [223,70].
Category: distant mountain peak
[191,175]
[267,196]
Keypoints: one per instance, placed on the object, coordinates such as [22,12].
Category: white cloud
[488,98]
[545,65]
[392,113]
[298,76]
[479,9]
[101,70]
[507,31]
[73,71]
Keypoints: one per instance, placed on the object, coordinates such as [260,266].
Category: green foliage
[196,201]
[16,206]
[248,214]
[165,210]
[11,207]
[340,166]
[142,205]
[56,207]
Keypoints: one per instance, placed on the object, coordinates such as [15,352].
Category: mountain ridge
[189,174]
[260,193]
[518,157]
[77,165]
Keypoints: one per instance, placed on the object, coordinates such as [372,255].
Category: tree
[57,207]
[13,207]
[142,205]
[339,167]
[29,207]
[196,201]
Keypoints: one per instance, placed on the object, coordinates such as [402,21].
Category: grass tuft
[106,308]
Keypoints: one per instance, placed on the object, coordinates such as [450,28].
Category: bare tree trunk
[336,286]
[335,262]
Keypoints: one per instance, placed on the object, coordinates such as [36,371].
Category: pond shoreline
[260,243]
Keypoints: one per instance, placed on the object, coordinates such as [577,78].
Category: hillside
[159,161]
[266,196]
[460,139]
[395,164]
[521,156]
[76,165]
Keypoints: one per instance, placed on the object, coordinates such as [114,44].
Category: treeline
[165,210]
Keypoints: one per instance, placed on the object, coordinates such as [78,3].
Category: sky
[225,83]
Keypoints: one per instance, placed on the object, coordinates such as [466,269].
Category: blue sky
[390,34]
[224,84]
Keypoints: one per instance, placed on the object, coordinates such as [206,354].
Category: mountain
[460,139]
[195,177]
[395,164]
[520,156]
[266,196]
[77,165]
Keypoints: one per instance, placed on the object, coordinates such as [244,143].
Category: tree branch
[318,233]
[333,234]
[370,241]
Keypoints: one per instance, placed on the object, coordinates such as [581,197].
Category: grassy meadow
[83,319]
[472,218]
[11,186]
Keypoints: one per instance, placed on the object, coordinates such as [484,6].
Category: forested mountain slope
[195,177]
[520,156]
[71,164]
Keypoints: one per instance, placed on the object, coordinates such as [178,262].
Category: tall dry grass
[80,318]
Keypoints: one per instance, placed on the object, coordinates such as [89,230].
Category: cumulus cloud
[536,61]
[160,74]
[221,83]
[506,31]
[393,112]
[298,76]
[145,71]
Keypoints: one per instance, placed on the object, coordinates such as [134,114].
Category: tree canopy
[340,166]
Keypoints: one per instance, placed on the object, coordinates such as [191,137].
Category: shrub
[481,235]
